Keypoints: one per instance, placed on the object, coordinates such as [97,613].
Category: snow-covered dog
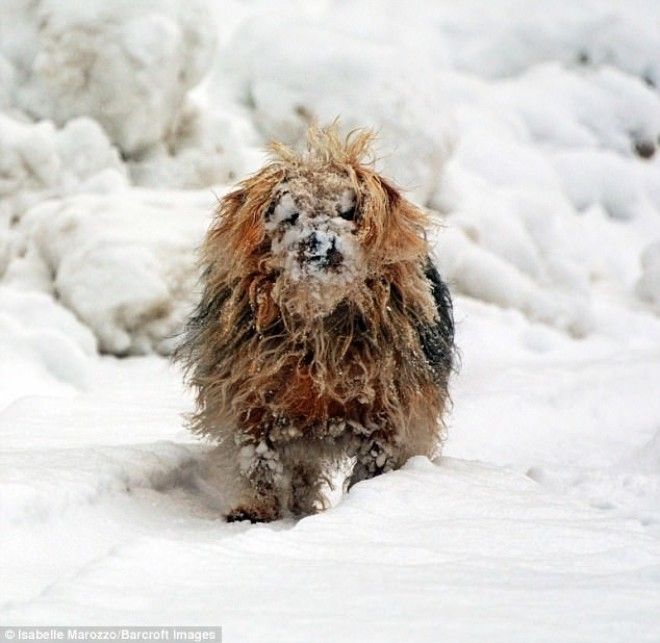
[323,331]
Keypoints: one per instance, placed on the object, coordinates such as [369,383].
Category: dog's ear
[239,223]
[392,226]
[405,225]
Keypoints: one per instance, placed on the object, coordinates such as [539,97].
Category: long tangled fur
[323,330]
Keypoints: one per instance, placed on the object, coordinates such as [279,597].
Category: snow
[44,347]
[38,161]
[529,130]
[441,541]
[123,262]
[127,64]
[323,72]
[648,286]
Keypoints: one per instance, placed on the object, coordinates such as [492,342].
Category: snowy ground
[529,128]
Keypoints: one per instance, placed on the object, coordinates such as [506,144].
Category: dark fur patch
[437,340]
[201,325]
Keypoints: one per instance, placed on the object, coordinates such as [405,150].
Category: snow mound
[508,37]
[37,161]
[478,539]
[543,174]
[6,82]
[128,64]
[630,486]
[324,73]
[44,348]
[587,179]
[515,244]
[85,476]
[124,263]
[482,274]
[101,527]
[648,286]
[584,108]
[210,147]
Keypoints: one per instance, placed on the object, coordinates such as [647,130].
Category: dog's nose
[333,257]
[313,243]
[321,250]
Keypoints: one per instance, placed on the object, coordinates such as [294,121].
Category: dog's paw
[253,514]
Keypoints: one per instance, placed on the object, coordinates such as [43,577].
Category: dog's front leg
[374,455]
[260,474]
[307,480]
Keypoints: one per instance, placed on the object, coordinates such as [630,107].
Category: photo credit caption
[193,634]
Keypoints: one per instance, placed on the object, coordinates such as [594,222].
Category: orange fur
[274,363]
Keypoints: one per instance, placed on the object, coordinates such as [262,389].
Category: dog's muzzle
[320,250]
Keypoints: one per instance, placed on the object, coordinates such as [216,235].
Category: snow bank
[510,36]
[87,476]
[127,64]
[210,146]
[6,82]
[37,161]
[623,189]
[124,263]
[327,72]
[648,286]
[530,130]
[543,174]
[497,545]
[514,145]
[44,348]
[549,398]
[585,108]
[527,190]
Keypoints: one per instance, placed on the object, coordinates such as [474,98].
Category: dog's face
[310,231]
[311,225]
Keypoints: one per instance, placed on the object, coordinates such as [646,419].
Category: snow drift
[124,263]
[127,64]
[530,131]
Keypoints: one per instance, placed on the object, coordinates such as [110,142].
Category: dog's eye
[292,218]
[349,215]
[270,210]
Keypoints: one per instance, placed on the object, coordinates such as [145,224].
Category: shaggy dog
[323,332]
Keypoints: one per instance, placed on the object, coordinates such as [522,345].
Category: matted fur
[299,359]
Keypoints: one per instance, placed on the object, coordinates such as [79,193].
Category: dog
[324,331]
